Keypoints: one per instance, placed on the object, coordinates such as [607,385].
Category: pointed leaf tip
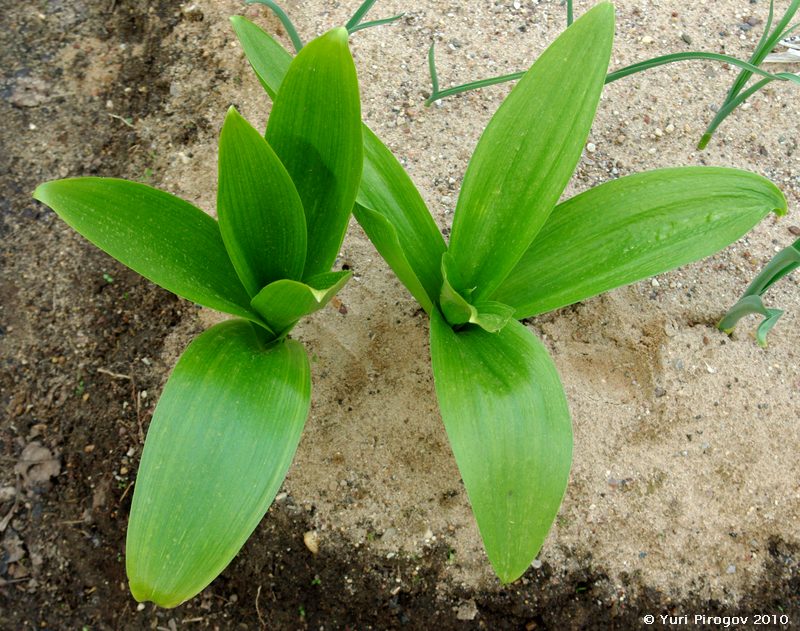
[315,129]
[339,34]
[508,424]
[528,153]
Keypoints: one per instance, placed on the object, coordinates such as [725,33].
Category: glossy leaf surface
[158,235]
[528,153]
[284,302]
[315,128]
[218,448]
[260,213]
[632,228]
[507,420]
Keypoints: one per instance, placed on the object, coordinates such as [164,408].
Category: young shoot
[783,263]
[230,417]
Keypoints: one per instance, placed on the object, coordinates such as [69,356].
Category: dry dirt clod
[37,464]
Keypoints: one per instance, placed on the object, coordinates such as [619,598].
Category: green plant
[515,253]
[783,263]
[230,417]
[735,97]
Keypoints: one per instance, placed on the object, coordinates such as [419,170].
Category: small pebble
[591,147]
[311,539]
[731,569]
[647,40]
[536,564]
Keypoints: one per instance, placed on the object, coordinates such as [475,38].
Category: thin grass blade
[507,420]
[221,440]
[260,214]
[362,11]
[783,263]
[285,20]
[528,153]
[315,128]
[158,235]
[632,228]
[383,21]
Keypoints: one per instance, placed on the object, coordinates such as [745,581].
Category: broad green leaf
[260,213]
[632,228]
[507,419]
[218,448]
[387,189]
[270,60]
[385,239]
[528,152]
[284,302]
[315,128]
[158,235]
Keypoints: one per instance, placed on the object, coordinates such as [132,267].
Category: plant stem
[767,42]
[783,263]
[353,22]
[570,16]
[612,76]
[381,22]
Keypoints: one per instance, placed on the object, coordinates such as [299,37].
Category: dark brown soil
[80,346]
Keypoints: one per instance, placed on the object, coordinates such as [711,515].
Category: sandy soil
[685,480]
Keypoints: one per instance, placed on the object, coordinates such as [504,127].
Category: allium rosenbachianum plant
[230,417]
[515,252]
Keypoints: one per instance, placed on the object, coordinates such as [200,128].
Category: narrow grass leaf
[635,227]
[783,263]
[751,305]
[221,440]
[507,420]
[284,302]
[285,20]
[270,61]
[158,235]
[315,128]
[384,237]
[528,152]
[260,214]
